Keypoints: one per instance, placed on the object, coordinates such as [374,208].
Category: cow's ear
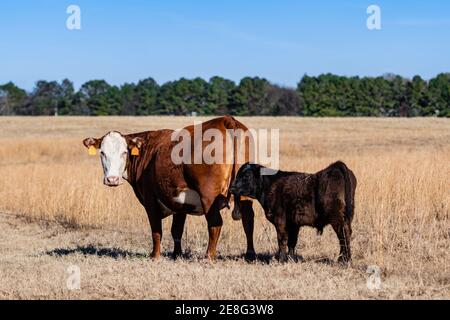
[92,142]
[135,142]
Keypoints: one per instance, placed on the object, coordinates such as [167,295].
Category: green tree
[45,98]
[219,95]
[183,97]
[325,95]
[12,99]
[419,98]
[129,99]
[66,101]
[439,90]
[146,92]
[308,89]
[400,106]
[249,97]
[101,98]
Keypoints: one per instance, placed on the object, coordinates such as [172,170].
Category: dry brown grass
[402,221]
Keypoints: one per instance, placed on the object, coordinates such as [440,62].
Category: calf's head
[248,181]
[114,154]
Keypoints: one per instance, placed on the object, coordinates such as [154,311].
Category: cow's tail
[230,123]
[349,205]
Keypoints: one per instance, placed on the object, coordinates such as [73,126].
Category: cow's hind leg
[156,226]
[248,217]
[177,233]
[293,231]
[343,231]
[215,222]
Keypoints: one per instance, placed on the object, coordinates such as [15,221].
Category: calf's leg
[343,232]
[282,236]
[293,231]
[177,233]
[248,217]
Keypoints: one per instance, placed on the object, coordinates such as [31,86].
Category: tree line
[324,95]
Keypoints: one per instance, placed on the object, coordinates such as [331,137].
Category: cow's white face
[114,155]
[114,152]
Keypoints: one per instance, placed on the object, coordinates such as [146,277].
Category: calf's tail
[349,205]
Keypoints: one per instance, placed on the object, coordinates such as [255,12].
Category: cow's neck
[131,172]
[135,163]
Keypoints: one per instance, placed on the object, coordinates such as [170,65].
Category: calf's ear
[263,171]
[257,170]
[92,142]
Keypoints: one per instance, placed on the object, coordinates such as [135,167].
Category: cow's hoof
[211,257]
[250,256]
[155,256]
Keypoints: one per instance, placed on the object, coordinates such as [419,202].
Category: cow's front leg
[282,236]
[156,226]
[177,233]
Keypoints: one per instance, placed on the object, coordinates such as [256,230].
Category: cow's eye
[102,153]
[124,153]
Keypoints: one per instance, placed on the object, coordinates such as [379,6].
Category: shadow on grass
[323,260]
[187,256]
[115,253]
[332,263]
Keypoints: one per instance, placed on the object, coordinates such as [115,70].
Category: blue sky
[124,41]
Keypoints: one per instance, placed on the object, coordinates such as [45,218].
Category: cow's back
[212,181]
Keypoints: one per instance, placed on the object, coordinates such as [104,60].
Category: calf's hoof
[236,214]
[295,258]
[282,257]
[176,255]
[344,260]
[250,256]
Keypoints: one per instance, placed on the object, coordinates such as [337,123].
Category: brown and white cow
[164,187]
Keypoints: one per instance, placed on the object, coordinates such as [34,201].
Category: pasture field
[55,212]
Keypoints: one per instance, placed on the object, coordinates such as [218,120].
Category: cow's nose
[112,181]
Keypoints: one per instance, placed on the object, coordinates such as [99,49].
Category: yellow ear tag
[92,151]
[135,151]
